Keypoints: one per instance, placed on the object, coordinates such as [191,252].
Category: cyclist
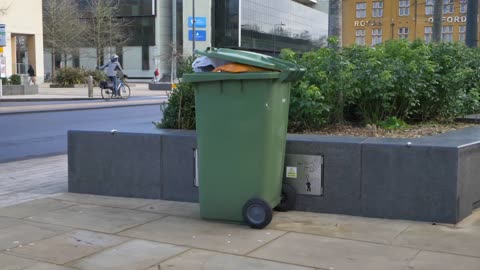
[111,71]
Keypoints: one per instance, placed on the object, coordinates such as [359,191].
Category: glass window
[377,10]
[447,33]
[129,8]
[404,8]
[403,33]
[361,10]
[448,6]
[463,6]
[141,31]
[462,30]
[376,36]
[429,7]
[428,34]
[303,29]
[360,37]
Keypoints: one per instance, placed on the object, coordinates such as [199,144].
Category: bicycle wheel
[124,91]
[106,93]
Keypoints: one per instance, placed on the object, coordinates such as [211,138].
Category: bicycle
[123,89]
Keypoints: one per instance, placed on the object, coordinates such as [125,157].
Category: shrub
[70,76]
[180,111]
[98,76]
[184,65]
[388,85]
[4,81]
[15,80]
[392,123]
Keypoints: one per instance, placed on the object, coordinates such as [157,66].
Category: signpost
[200,35]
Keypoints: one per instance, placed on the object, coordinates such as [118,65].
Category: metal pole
[471,37]
[239,23]
[274,39]
[194,36]
[173,72]
[1,87]
[90,86]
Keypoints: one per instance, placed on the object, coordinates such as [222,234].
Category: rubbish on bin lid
[239,68]
[207,64]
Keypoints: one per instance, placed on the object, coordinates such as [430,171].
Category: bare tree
[62,28]
[437,21]
[106,28]
[4,8]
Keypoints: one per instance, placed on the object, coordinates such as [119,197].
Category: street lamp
[193,25]
[275,36]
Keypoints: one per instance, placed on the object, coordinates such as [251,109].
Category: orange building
[369,22]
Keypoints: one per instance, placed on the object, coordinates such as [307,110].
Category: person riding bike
[111,71]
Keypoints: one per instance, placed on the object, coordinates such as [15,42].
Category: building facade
[21,37]
[162,30]
[369,22]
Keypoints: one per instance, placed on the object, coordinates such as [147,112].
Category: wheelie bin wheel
[257,213]
[289,198]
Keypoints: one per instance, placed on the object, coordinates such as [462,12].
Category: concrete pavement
[60,230]
[140,95]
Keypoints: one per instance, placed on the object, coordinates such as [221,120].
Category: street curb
[79,108]
[45,99]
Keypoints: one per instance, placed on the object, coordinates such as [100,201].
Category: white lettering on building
[457,19]
[367,23]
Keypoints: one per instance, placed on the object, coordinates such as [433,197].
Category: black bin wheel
[289,198]
[257,213]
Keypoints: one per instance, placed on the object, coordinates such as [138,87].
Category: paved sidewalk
[76,99]
[74,231]
[25,180]
[45,92]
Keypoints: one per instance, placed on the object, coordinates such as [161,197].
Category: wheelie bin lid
[283,70]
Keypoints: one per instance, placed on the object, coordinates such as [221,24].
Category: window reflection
[266,24]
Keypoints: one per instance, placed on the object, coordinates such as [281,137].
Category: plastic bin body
[241,134]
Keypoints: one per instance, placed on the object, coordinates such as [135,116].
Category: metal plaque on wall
[304,173]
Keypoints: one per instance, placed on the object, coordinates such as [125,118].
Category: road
[42,134]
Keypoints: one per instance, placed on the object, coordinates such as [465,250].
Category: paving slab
[471,221]
[202,259]
[46,266]
[117,202]
[31,179]
[229,238]
[24,234]
[96,218]
[8,262]
[31,208]
[132,255]
[427,260]
[173,208]
[7,222]
[340,226]
[67,247]
[333,253]
[448,239]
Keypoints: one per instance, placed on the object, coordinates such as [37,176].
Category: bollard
[1,87]
[90,86]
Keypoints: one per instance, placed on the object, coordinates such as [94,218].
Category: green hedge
[394,82]
[71,76]
[409,81]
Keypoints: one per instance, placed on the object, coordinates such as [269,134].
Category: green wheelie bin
[241,123]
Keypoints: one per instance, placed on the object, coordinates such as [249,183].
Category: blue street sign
[200,35]
[200,22]
[3,36]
